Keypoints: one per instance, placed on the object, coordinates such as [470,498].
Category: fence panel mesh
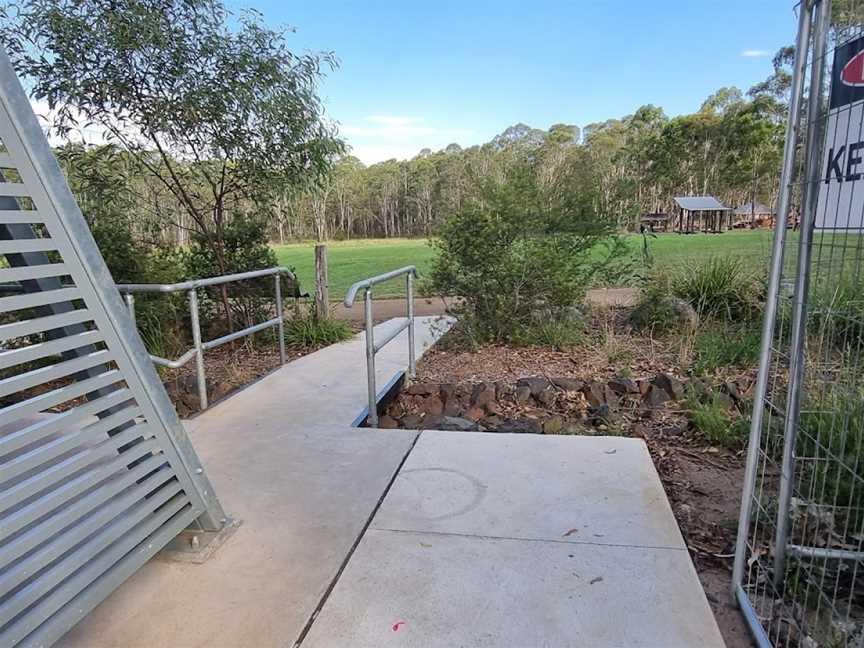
[798,572]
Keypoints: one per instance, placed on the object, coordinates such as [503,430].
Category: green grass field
[351,261]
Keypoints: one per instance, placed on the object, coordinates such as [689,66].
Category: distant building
[753,215]
[701,214]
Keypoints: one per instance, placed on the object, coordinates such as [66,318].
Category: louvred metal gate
[96,472]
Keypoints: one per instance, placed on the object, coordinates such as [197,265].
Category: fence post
[370,358]
[772,299]
[802,284]
[199,349]
[409,280]
[280,313]
[322,289]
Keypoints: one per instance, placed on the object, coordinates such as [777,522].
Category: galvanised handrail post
[195,323]
[412,368]
[370,357]
[279,313]
[199,345]
[371,347]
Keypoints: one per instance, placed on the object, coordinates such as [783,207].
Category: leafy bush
[309,331]
[162,318]
[719,345]
[722,287]
[523,252]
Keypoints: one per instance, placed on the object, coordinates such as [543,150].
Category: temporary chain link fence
[798,560]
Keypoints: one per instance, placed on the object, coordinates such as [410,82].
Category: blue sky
[415,75]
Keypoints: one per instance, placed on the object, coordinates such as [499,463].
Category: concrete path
[284,461]
[328,386]
[520,540]
[477,540]
[303,495]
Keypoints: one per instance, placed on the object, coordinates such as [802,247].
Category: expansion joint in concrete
[351,551]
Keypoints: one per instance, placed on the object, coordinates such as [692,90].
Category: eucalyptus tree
[214,106]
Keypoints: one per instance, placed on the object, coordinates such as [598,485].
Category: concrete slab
[325,387]
[572,489]
[304,495]
[429,590]
[520,540]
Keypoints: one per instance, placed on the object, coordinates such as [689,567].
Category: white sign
[841,190]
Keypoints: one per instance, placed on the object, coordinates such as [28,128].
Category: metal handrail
[371,348]
[198,345]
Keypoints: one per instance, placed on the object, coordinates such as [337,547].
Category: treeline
[731,148]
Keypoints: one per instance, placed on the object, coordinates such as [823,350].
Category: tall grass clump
[830,450]
[308,331]
[720,345]
[723,287]
[712,417]
[836,314]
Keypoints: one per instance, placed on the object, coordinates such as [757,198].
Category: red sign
[853,71]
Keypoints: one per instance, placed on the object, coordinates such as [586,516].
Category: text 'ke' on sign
[841,192]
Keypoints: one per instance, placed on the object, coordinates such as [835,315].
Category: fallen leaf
[596,580]
[570,532]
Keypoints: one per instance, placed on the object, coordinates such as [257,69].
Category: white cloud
[384,137]
[755,53]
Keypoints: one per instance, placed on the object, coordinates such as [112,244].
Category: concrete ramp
[520,540]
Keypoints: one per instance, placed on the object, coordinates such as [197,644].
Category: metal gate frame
[781,567]
[82,505]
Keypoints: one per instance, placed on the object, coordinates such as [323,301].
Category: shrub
[655,308]
[723,287]
[245,248]
[162,318]
[829,446]
[710,415]
[522,252]
[719,345]
[309,331]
